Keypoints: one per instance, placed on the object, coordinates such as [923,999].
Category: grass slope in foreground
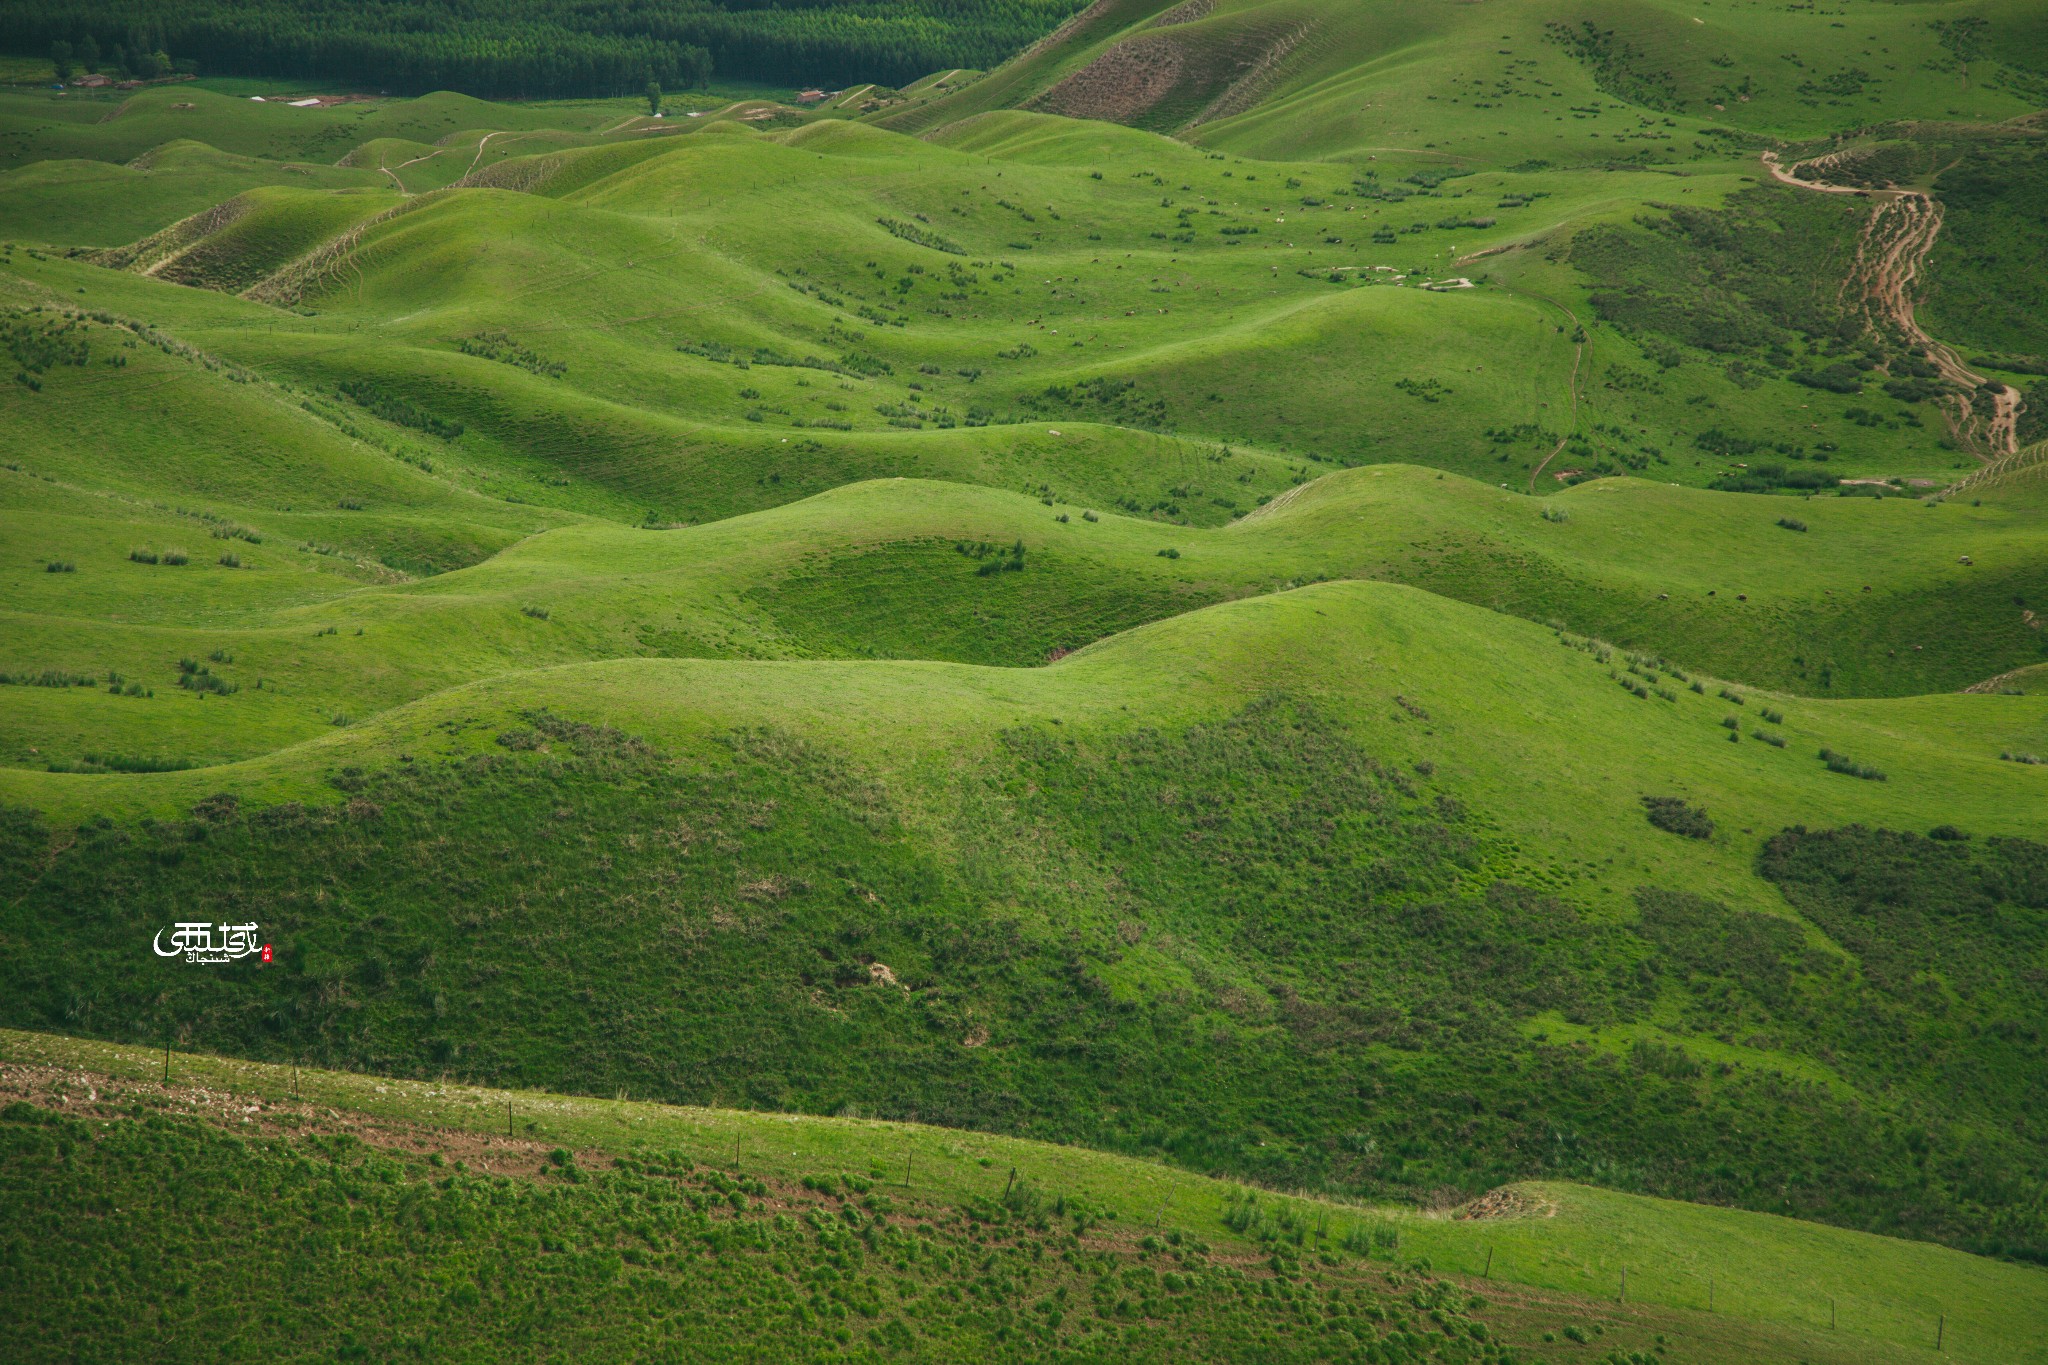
[608,1226]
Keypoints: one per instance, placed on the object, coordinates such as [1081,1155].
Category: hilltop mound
[96,203]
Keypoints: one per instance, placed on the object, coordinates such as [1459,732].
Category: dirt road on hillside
[1899,235]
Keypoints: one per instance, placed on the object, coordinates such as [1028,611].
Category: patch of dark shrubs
[993,558]
[194,676]
[1842,763]
[397,410]
[1840,377]
[1769,478]
[1675,815]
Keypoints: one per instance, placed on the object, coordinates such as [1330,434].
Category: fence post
[1624,1284]
[1940,1330]
[1487,1273]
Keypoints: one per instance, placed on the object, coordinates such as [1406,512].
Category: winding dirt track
[1901,232]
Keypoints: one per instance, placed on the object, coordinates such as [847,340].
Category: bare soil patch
[1509,1201]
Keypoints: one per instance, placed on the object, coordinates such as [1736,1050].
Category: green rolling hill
[911,568]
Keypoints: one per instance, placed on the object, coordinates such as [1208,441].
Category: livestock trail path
[1579,342]
[1578,365]
[1902,230]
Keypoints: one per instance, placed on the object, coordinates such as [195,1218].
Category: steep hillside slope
[245,240]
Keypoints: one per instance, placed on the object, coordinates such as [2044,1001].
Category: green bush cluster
[372,398]
[499,346]
[1677,815]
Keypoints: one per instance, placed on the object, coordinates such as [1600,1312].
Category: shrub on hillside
[1676,815]
[1842,763]
[394,409]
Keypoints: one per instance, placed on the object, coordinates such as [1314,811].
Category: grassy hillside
[123,125]
[239,243]
[1270,887]
[343,611]
[1090,1253]
[1600,81]
[97,203]
[1390,602]
[1157,289]
[1325,353]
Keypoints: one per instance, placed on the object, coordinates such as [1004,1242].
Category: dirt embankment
[1185,13]
[1898,236]
[1121,85]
